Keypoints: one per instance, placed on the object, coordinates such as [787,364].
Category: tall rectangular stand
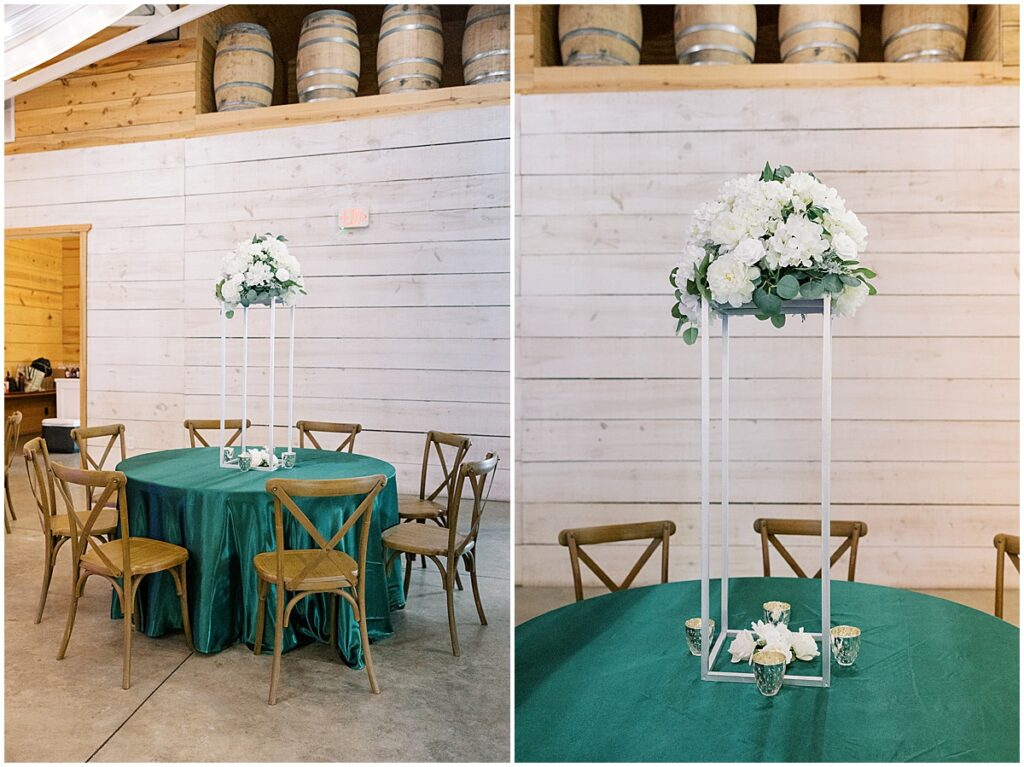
[709,653]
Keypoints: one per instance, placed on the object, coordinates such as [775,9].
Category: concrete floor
[534,600]
[185,706]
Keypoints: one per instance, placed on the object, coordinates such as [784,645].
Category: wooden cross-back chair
[56,526]
[123,563]
[770,529]
[436,542]
[323,570]
[426,506]
[574,538]
[12,431]
[1006,546]
[114,434]
[197,425]
[307,429]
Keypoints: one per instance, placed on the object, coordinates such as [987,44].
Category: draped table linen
[224,517]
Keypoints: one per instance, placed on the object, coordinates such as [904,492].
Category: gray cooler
[57,434]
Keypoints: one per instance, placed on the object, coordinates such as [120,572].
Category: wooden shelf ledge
[391,104]
[677,77]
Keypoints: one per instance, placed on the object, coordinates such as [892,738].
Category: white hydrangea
[797,242]
[264,267]
[693,254]
[731,281]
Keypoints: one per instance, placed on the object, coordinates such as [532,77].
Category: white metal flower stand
[710,653]
[271,305]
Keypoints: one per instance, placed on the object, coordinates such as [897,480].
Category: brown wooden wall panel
[33,301]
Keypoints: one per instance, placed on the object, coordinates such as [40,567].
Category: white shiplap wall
[406,326]
[925,403]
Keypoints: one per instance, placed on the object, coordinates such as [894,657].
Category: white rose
[804,646]
[844,245]
[742,647]
[774,637]
[850,300]
[282,274]
[731,281]
[728,229]
[230,293]
[848,223]
[749,251]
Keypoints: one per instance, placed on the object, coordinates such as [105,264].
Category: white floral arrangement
[261,457]
[769,239]
[258,270]
[772,636]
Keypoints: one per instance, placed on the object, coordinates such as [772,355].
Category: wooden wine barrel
[243,69]
[486,51]
[327,66]
[924,33]
[600,35]
[410,50]
[812,34]
[715,34]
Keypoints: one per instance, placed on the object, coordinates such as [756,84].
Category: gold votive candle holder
[769,669]
[777,612]
[693,639]
[845,644]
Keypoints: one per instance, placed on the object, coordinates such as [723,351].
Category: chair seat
[147,555]
[105,523]
[420,539]
[413,507]
[337,570]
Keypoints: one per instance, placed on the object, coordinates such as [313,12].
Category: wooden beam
[158,25]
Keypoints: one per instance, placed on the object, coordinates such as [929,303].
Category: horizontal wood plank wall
[406,327]
[33,301]
[925,396]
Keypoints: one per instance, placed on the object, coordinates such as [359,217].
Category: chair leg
[129,614]
[275,671]
[185,622]
[7,492]
[332,616]
[47,575]
[471,562]
[257,645]
[449,588]
[76,584]
[423,559]
[409,558]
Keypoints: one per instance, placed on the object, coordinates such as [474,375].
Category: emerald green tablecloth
[611,679]
[224,518]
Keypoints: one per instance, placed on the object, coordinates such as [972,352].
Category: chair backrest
[769,529]
[40,479]
[474,472]
[574,538]
[1006,546]
[196,425]
[284,493]
[12,430]
[439,440]
[306,429]
[115,436]
[110,486]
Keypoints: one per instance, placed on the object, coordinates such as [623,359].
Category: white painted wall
[406,326]
[925,398]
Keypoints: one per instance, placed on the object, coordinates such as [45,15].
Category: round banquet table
[224,517]
[611,679]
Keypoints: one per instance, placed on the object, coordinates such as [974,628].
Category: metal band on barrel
[333,87]
[329,12]
[824,44]
[700,47]
[930,27]
[432,10]
[941,54]
[486,54]
[244,84]
[491,15]
[245,28]
[234,106]
[500,76]
[342,40]
[346,27]
[410,60]
[408,28]
[326,71]
[598,58]
[410,76]
[716,27]
[836,25]
[236,48]
[602,32]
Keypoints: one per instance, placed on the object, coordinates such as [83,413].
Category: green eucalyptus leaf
[783,172]
[679,325]
[779,320]
[812,289]
[677,311]
[766,302]
[788,287]
[229,313]
[690,336]
[767,174]
[849,280]
[866,272]
[833,284]
[672,276]
[760,316]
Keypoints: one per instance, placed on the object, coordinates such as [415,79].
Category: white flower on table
[774,637]
[731,281]
[804,646]
[742,647]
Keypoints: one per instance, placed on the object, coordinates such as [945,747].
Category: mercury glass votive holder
[244,461]
[769,669]
[289,460]
[693,634]
[845,644]
[229,454]
[777,612]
